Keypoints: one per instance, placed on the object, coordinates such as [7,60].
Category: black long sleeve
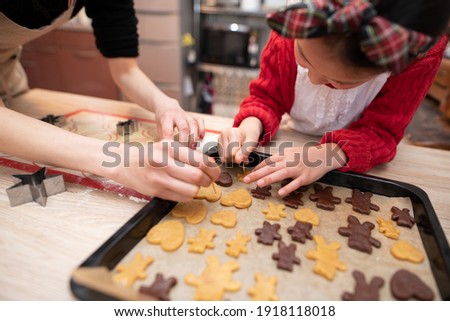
[114,21]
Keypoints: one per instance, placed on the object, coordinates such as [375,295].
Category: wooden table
[41,246]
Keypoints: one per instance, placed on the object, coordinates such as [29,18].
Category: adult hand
[170,116]
[304,165]
[165,169]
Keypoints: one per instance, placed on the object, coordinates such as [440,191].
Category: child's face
[325,67]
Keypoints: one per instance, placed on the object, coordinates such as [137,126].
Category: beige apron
[13,79]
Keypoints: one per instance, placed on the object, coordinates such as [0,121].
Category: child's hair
[382,34]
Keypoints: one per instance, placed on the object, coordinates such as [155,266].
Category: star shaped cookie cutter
[35,187]
[57,120]
[127,127]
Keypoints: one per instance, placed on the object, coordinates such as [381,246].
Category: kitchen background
[203,53]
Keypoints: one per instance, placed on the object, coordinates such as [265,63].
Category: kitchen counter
[41,246]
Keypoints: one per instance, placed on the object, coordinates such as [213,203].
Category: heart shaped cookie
[224,218]
[406,285]
[169,235]
[240,198]
[193,212]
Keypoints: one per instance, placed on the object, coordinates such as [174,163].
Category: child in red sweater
[351,71]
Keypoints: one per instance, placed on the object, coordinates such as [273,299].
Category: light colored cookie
[211,193]
[193,212]
[169,235]
[224,218]
[238,245]
[240,198]
[264,288]
[387,227]
[214,280]
[327,258]
[241,176]
[404,251]
[307,215]
[127,274]
[202,241]
[274,212]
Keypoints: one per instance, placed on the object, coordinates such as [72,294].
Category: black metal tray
[434,241]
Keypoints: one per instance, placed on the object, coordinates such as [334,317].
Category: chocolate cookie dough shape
[264,288]
[326,257]
[202,241]
[294,200]
[324,197]
[300,232]
[361,202]
[359,235]
[238,245]
[240,198]
[268,233]
[406,285]
[225,179]
[160,288]
[387,228]
[214,280]
[261,192]
[402,217]
[225,218]
[364,291]
[169,235]
[193,212]
[127,274]
[211,193]
[274,212]
[402,250]
[286,256]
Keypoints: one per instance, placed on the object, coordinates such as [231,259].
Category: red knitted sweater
[368,141]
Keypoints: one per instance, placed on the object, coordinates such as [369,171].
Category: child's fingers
[270,161]
[263,177]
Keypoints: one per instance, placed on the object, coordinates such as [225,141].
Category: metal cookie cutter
[35,187]
[127,127]
[58,120]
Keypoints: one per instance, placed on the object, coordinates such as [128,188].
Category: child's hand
[304,165]
[236,144]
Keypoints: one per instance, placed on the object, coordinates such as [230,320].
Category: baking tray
[109,254]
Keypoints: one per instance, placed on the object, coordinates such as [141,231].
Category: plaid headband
[385,43]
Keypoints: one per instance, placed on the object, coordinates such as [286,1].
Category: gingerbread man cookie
[294,199]
[261,192]
[264,288]
[268,233]
[327,258]
[193,212]
[169,234]
[300,232]
[324,197]
[387,228]
[402,217]
[359,235]
[240,198]
[211,193]
[364,291]
[127,274]
[225,218]
[286,256]
[202,241]
[214,280]
[361,202]
[160,288]
[274,212]
[238,245]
